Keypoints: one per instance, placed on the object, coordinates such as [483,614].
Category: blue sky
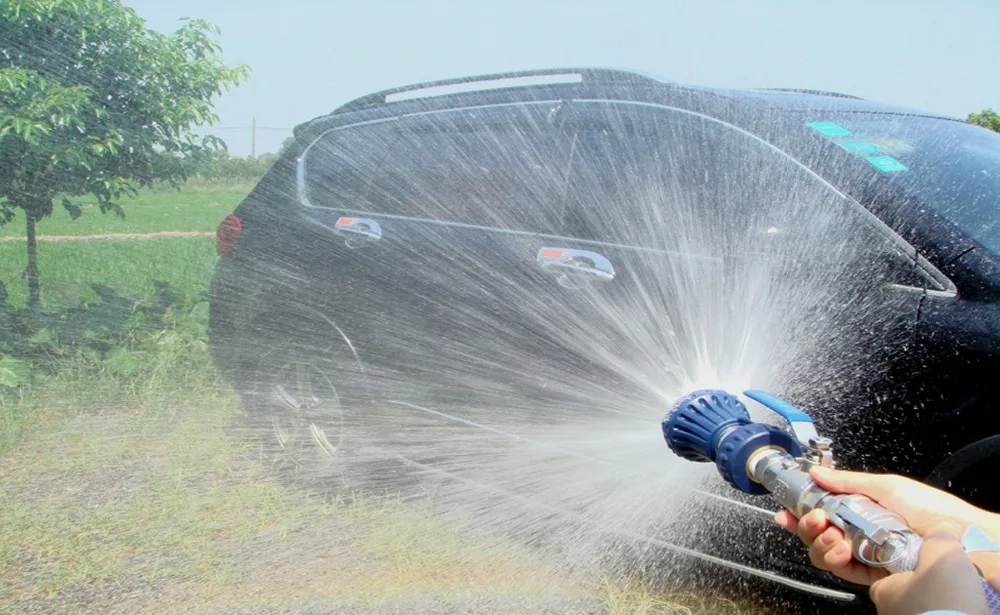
[309,56]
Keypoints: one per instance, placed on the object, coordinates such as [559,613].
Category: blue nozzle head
[713,425]
[693,424]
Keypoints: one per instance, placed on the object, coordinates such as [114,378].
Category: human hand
[920,505]
[944,579]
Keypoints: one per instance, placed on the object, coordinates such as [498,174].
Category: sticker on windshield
[892,145]
[886,164]
[858,146]
[829,129]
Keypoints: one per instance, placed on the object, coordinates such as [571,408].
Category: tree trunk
[34,290]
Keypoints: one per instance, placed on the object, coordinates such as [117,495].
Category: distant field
[192,209]
[128,266]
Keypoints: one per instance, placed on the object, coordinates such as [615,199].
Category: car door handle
[575,268]
[358,232]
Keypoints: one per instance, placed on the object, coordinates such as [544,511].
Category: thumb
[945,578]
[875,486]
[942,547]
[941,539]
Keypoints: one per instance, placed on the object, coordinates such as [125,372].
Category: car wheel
[306,381]
[971,473]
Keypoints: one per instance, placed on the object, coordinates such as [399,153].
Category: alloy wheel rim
[306,407]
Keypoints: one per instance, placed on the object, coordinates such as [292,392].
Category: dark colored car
[575,249]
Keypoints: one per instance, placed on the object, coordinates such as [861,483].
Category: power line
[252,128]
[214,128]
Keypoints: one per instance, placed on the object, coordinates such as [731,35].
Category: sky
[310,56]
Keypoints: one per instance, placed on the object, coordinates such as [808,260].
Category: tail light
[227,234]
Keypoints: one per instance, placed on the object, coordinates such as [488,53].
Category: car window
[341,164]
[661,178]
[949,166]
[501,167]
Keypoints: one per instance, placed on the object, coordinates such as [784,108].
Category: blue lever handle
[790,412]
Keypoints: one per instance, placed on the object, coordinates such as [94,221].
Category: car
[565,251]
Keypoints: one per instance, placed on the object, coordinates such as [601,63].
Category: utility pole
[253,138]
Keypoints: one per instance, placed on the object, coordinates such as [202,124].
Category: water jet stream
[603,462]
[763,574]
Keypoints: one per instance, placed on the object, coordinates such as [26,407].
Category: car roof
[741,106]
[812,100]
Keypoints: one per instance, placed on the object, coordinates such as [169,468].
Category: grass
[142,498]
[136,493]
[192,209]
[129,267]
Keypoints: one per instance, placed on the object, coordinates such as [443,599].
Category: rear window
[341,164]
[951,167]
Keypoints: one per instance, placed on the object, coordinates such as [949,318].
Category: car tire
[970,473]
[301,390]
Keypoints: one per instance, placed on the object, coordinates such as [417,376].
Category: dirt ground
[114,236]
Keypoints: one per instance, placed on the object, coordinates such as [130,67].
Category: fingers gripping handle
[881,538]
[909,562]
[878,537]
[901,552]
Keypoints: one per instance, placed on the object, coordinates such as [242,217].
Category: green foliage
[285,144]
[225,170]
[121,335]
[92,102]
[13,373]
[987,118]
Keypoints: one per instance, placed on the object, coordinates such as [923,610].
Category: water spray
[615,529]
[756,458]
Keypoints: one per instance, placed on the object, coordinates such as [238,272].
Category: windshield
[952,167]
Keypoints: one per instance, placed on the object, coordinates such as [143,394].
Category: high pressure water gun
[756,458]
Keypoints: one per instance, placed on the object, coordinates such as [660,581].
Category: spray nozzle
[714,425]
[693,425]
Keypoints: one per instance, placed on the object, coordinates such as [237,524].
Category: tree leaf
[73,209]
[987,118]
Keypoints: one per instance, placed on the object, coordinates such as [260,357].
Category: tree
[285,144]
[223,168]
[93,103]
[987,118]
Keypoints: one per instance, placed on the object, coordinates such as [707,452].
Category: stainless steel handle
[575,268]
[358,232]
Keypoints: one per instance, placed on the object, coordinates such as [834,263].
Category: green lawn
[128,266]
[191,209]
